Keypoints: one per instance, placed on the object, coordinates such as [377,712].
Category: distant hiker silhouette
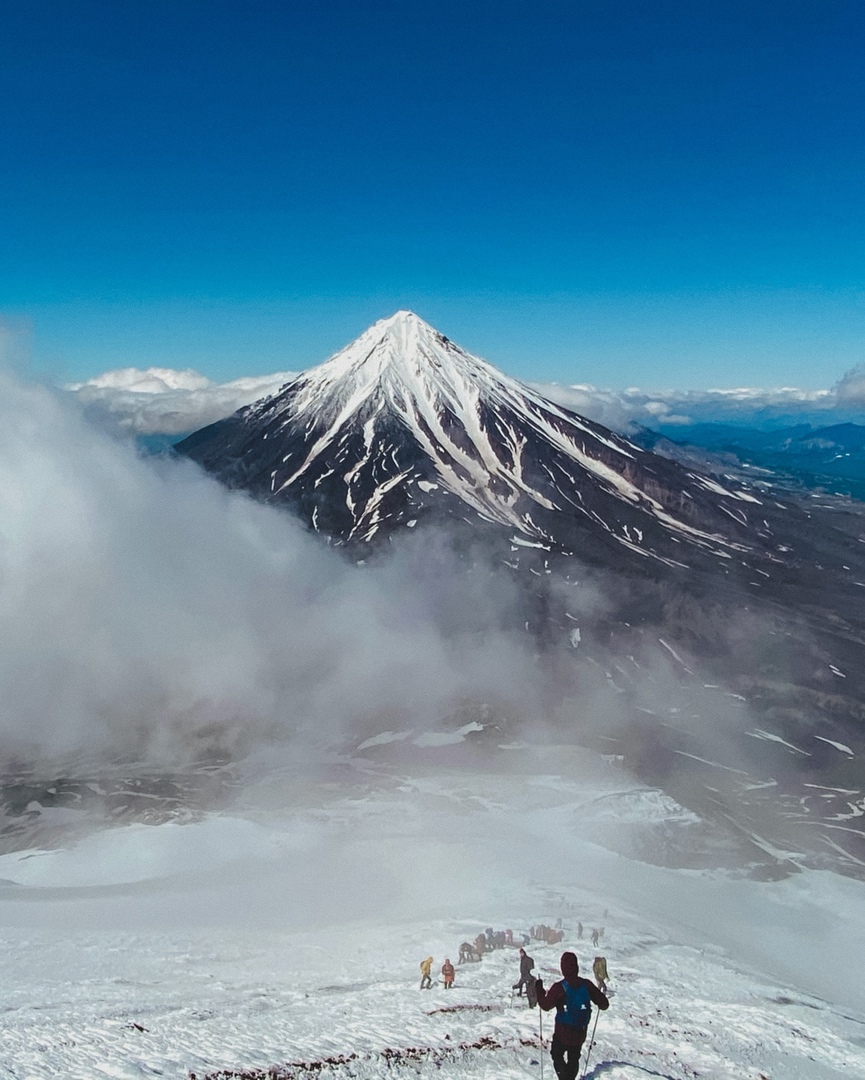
[526,965]
[572,998]
[599,970]
[448,974]
[595,938]
[467,953]
[579,930]
[426,973]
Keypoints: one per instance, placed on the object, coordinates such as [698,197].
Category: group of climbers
[448,973]
[597,934]
[572,996]
[552,936]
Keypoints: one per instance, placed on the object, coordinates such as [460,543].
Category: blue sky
[627,193]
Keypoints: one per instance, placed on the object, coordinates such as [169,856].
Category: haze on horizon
[650,195]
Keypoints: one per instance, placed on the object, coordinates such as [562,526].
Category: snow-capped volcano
[402,424]
[403,427]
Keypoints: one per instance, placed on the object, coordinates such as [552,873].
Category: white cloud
[622,409]
[851,388]
[162,401]
[152,381]
[148,613]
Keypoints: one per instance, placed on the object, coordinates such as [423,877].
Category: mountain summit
[403,425]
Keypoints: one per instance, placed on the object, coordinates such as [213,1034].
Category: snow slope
[295,936]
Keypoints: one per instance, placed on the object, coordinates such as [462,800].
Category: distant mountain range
[831,457]
[693,617]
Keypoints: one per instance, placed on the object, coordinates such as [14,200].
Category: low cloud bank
[148,614]
[622,410]
[163,401]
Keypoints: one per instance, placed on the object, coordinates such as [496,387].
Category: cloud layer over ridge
[163,401]
[167,402]
[148,614]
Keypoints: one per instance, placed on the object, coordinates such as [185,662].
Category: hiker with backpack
[572,998]
[426,973]
[526,965]
[599,970]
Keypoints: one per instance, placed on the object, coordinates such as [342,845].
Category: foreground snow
[244,943]
[210,1001]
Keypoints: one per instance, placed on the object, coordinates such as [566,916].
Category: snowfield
[289,933]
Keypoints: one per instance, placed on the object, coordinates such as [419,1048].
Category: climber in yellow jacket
[426,973]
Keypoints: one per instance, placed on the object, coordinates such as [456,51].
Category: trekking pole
[591,1044]
[541,1037]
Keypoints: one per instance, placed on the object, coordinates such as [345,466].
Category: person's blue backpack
[577,1007]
